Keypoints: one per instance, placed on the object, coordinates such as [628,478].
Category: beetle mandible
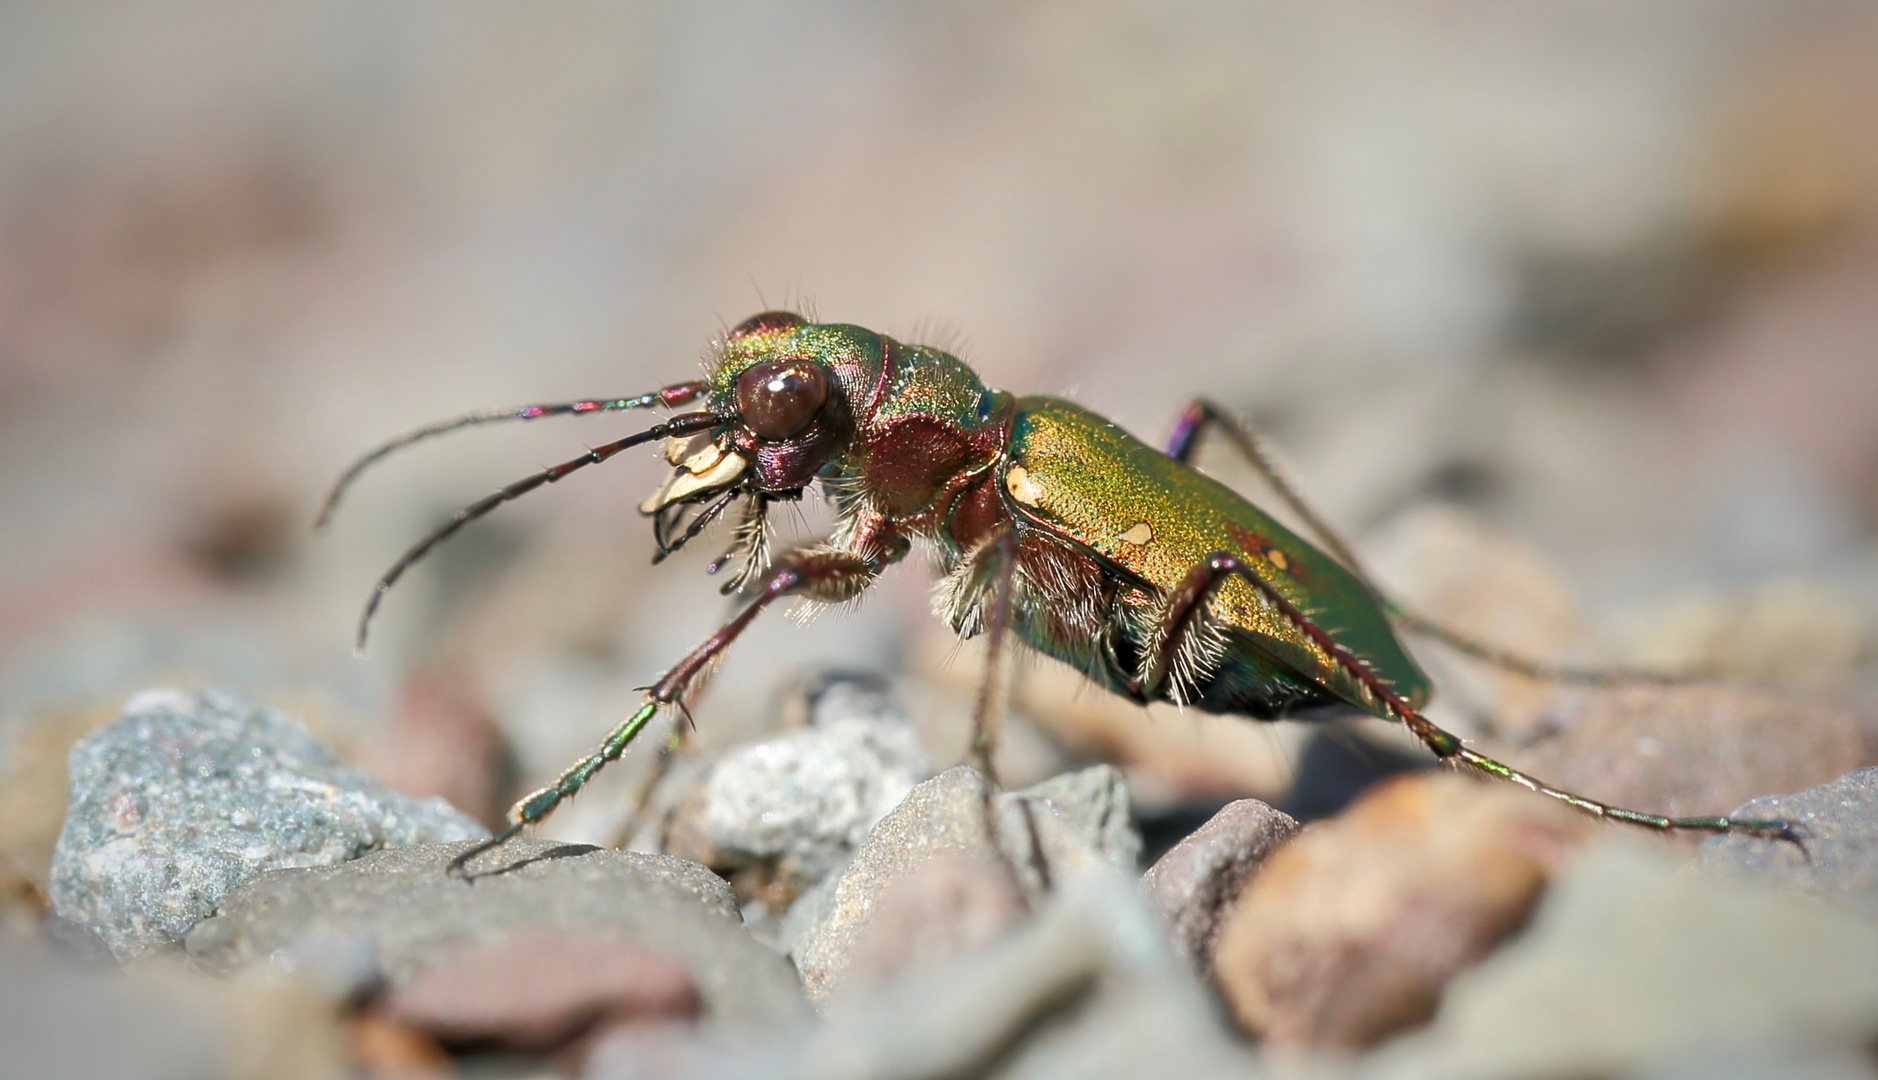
[1154,580]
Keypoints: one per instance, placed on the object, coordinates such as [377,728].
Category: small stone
[191,793]
[540,989]
[780,816]
[1044,845]
[1350,930]
[1093,801]
[413,914]
[1087,989]
[952,903]
[1633,959]
[802,801]
[1196,884]
[1685,750]
[382,1047]
[1839,823]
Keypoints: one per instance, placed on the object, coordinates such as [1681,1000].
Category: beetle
[1156,581]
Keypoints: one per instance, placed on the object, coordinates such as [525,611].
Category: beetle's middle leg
[1200,415]
[822,574]
[1000,570]
[1185,604]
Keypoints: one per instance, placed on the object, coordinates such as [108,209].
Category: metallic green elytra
[1150,520]
[1156,581]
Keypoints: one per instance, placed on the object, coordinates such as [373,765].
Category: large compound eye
[780,398]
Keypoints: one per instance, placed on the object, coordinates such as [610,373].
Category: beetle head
[778,384]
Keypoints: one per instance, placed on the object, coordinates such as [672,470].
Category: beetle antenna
[674,395]
[679,425]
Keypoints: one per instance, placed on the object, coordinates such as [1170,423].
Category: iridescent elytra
[1050,522]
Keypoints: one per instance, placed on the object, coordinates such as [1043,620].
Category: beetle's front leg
[823,574]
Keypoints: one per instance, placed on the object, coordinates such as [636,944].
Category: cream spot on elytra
[1141,533]
[1022,487]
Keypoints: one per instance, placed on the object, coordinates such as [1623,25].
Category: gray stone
[1840,822]
[412,914]
[1088,990]
[1043,846]
[1632,960]
[1094,801]
[803,800]
[191,793]
[1196,883]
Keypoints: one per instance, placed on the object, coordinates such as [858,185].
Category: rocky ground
[225,898]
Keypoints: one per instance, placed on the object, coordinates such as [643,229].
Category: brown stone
[542,989]
[387,1049]
[952,903]
[1195,885]
[1350,930]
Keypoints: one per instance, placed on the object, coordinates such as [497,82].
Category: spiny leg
[994,564]
[678,425]
[1207,578]
[1002,555]
[1200,415]
[672,396]
[819,573]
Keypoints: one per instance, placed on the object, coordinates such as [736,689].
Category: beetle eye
[780,398]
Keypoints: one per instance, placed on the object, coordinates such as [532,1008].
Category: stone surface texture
[1047,834]
[1695,749]
[1840,825]
[408,915]
[1086,990]
[1633,960]
[540,989]
[1349,931]
[191,793]
[804,800]
[1195,885]
[952,903]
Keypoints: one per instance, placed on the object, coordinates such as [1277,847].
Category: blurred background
[1567,311]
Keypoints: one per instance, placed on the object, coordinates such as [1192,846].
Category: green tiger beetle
[1154,580]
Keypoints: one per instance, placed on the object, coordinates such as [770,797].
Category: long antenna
[675,395]
[678,425]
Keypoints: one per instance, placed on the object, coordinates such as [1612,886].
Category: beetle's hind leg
[1200,415]
[823,574]
[1208,577]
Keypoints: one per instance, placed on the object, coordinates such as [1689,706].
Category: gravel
[407,914]
[191,793]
